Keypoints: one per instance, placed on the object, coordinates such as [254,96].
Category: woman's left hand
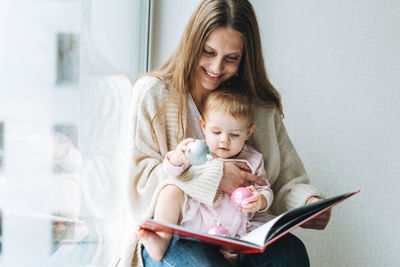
[319,222]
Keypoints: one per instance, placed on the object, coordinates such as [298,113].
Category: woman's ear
[250,130]
[203,125]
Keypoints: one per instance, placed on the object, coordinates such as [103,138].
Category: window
[69,130]
[68,133]
[1,145]
[45,47]
[67,58]
[1,231]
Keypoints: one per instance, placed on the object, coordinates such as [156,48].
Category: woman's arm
[147,155]
[292,186]
[297,190]
[285,171]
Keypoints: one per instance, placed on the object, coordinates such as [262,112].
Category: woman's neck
[199,98]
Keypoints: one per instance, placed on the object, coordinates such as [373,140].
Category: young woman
[220,46]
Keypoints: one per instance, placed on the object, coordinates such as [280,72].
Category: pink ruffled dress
[199,216]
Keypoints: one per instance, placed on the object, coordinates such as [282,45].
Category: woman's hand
[254,203]
[237,174]
[178,157]
[319,222]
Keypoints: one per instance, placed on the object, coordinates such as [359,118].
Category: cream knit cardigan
[285,172]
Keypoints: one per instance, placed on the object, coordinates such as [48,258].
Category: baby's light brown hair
[229,101]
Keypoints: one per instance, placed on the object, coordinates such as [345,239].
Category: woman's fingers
[251,179]
[243,166]
[237,174]
[315,224]
[248,177]
[318,223]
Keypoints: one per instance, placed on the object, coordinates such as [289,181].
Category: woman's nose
[217,65]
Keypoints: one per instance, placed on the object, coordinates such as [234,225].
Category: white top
[193,129]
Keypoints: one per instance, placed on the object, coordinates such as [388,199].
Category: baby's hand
[254,203]
[178,157]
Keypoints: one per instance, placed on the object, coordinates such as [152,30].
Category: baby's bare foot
[155,244]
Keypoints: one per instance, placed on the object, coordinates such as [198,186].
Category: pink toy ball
[239,195]
[217,230]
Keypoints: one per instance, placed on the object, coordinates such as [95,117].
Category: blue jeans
[286,251]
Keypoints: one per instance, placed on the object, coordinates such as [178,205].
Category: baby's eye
[235,135]
[216,132]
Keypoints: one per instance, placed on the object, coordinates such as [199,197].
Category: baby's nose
[225,140]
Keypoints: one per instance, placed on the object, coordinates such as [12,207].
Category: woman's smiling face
[220,58]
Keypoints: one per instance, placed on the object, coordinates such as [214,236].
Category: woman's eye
[232,58]
[210,53]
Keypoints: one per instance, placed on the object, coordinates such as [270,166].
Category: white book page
[258,235]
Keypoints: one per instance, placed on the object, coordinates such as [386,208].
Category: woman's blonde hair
[178,73]
[235,103]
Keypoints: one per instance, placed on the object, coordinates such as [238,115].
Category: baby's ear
[203,125]
[250,130]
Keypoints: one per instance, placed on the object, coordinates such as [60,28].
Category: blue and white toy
[199,152]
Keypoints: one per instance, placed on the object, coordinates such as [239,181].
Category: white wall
[337,66]
[170,17]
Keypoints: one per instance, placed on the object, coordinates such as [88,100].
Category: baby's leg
[168,209]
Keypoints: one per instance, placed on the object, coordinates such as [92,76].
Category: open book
[257,240]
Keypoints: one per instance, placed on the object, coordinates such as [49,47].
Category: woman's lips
[212,76]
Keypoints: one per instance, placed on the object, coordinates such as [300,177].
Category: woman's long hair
[178,73]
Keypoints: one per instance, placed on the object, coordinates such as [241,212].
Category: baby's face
[225,135]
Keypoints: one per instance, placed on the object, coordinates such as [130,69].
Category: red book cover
[257,240]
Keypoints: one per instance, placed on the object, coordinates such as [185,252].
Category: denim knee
[188,253]
[286,251]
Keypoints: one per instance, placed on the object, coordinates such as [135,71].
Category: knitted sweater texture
[285,171]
